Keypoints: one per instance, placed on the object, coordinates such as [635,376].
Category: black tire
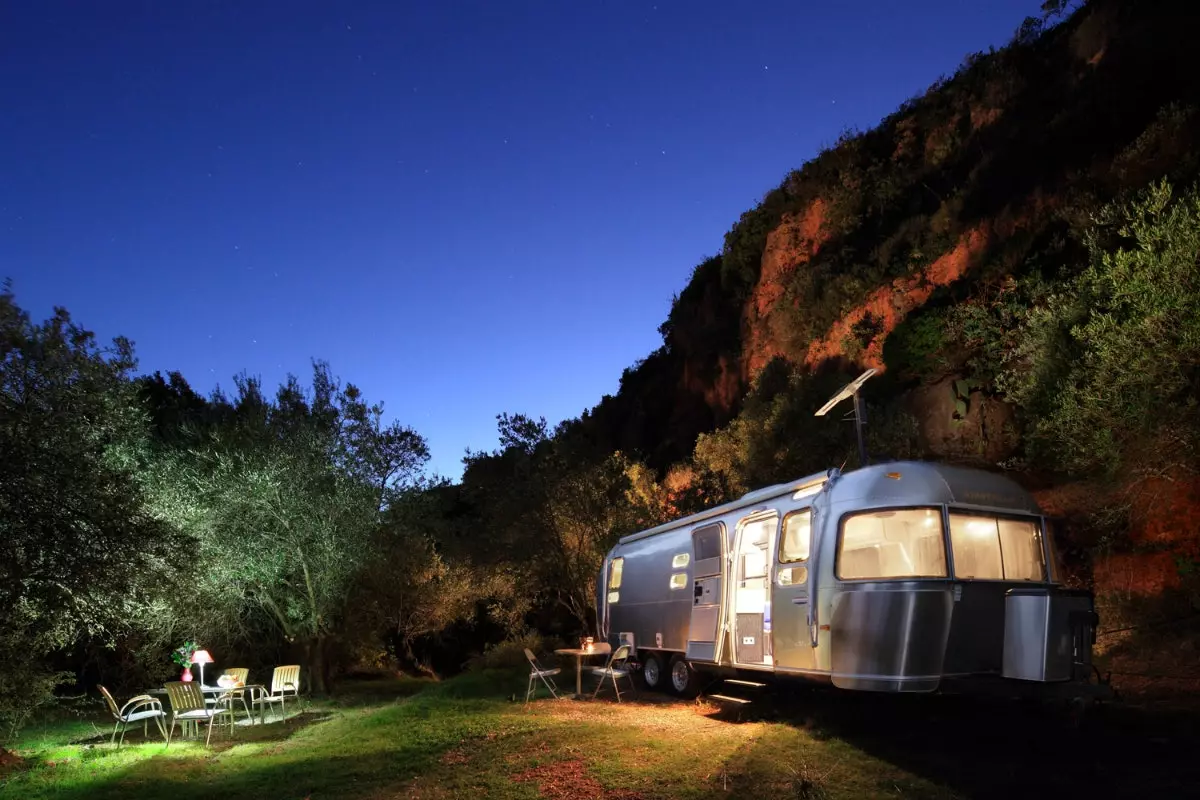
[654,671]
[684,680]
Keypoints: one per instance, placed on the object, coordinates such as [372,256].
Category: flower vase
[186,677]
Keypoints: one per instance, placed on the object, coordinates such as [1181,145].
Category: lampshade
[201,657]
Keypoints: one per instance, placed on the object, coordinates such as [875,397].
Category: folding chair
[142,708]
[617,667]
[536,672]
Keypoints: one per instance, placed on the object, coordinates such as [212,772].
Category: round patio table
[580,654]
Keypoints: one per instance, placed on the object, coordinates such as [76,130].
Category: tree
[547,515]
[1106,368]
[285,497]
[79,554]
[585,509]
[411,588]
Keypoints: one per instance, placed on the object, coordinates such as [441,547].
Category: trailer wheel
[684,680]
[652,671]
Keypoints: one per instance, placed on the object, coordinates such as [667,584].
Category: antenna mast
[850,392]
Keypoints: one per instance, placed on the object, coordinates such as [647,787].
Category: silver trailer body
[895,577]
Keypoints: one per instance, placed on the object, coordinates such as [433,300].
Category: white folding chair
[615,669]
[536,672]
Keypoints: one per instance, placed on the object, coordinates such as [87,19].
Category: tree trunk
[314,653]
[416,663]
[327,662]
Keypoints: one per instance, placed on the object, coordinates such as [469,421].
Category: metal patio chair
[285,683]
[237,693]
[536,672]
[188,706]
[142,708]
[616,668]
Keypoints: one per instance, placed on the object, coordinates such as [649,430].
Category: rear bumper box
[1048,634]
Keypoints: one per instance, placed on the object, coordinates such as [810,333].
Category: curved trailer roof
[919,482]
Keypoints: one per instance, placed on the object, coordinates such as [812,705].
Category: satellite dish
[850,392]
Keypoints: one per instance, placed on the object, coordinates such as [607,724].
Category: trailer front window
[892,543]
[995,548]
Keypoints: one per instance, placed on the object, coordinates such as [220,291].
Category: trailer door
[752,590]
[792,633]
[707,554]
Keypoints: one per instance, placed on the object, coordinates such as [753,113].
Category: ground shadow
[347,777]
[993,748]
[274,730]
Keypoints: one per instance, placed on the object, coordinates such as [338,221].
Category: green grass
[462,737]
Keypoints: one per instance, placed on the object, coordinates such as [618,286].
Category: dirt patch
[982,116]
[720,392]
[563,780]
[456,756]
[889,305]
[9,761]
[789,246]
[650,712]
[987,432]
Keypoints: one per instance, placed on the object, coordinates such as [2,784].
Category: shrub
[25,682]
[511,652]
[1109,365]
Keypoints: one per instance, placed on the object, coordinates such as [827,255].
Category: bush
[511,652]
[25,682]
[1109,366]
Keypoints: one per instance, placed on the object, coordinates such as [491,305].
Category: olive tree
[79,553]
[285,497]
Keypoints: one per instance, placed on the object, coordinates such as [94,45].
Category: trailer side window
[994,548]
[797,537]
[614,574]
[679,580]
[892,543]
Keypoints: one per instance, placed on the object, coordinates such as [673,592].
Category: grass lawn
[465,738]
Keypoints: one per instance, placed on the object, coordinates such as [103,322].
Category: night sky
[466,208]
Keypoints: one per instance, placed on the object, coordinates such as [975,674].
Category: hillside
[990,171]
[959,248]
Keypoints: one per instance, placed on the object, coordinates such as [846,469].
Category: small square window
[614,597]
[680,561]
[797,536]
[679,580]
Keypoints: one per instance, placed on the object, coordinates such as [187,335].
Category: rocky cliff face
[990,176]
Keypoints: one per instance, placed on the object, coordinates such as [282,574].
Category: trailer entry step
[726,698]
[739,682]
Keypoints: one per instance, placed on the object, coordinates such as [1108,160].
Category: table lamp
[201,657]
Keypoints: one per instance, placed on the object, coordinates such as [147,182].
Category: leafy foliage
[284,500]
[79,554]
[1107,366]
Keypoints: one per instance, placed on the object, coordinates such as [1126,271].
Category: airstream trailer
[899,577]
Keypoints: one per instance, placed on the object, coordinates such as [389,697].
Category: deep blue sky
[466,208]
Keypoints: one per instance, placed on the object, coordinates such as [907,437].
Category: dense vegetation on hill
[1016,250]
